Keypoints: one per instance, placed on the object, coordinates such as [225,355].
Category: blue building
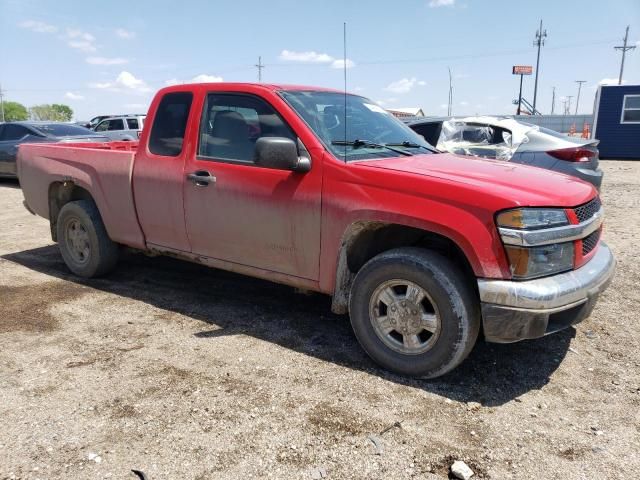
[616,121]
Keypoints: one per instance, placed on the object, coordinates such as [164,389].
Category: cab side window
[102,126]
[116,124]
[232,123]
[14,132]
[170,124]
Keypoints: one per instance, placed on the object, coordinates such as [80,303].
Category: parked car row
[103,128]
[13,134]
[513,141]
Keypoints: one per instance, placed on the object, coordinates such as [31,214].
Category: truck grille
[589,242]
[588,210]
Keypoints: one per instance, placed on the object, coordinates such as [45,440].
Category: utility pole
[1,105]
[579,82]
[553,100]
[450,104]
[259,66]
[538,42]
[568,112]
[564,105]
[624,49]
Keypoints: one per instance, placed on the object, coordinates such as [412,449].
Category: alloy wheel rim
[77,240]
[404,317]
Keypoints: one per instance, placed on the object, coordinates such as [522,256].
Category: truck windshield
[371,131]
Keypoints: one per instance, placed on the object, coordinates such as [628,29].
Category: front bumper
[513,311]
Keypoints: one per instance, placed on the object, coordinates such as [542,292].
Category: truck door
[158,174]
[239,212]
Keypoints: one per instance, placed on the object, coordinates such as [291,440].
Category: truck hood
[520,185]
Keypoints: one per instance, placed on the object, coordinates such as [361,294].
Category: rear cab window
[132,123]
[170,124]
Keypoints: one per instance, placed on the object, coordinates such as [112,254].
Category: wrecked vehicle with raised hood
[513,141]
[326,191]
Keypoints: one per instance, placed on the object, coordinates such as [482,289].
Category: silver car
[513,141]
[122,128]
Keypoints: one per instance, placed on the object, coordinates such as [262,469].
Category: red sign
[522,69]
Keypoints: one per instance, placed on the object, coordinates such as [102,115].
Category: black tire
[453,298]
[102,253]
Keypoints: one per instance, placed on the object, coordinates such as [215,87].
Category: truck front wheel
[83,241]
[413,312]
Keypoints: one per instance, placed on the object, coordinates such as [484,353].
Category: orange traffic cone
[572,130]
[586,133]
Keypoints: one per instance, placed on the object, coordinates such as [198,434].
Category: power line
[579,82]
[539,42]
[624,49]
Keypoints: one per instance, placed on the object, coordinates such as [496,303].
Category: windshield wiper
[365,143]
[407,144]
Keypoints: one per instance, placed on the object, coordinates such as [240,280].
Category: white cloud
[38,27]
[73,96]
[124,82]
[404,85]
[79,34]
[444,106]
[441,3]
[80,40]
[202,78]
[126,34]
[610,81]
[306,57]
[386,101]
[106,61]
[82,45]
[464,104]
[341,63]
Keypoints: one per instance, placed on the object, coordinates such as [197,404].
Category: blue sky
[110,58]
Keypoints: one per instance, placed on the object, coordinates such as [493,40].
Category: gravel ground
[185,372]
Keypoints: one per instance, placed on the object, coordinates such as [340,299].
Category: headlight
[528,262]
[532,218]
[535,262]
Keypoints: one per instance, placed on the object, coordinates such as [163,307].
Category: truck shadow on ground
[235,304]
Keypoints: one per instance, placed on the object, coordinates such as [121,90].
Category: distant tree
[55,112]
[14,111]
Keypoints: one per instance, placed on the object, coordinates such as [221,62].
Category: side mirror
[280,153]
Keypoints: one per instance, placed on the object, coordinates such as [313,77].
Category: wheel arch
[61,193]
[363,240]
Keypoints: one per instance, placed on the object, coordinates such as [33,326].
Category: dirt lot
[189,373]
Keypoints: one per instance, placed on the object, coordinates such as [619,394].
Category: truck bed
[103,169]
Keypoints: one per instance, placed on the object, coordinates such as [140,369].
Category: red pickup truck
[328,192]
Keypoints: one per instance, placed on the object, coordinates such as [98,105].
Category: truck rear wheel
[83,241]
[414,313]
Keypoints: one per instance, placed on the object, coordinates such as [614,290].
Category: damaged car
[513,141]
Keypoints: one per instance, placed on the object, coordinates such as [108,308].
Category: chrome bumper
[515,311]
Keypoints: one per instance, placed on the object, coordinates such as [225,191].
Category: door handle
[201,178]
